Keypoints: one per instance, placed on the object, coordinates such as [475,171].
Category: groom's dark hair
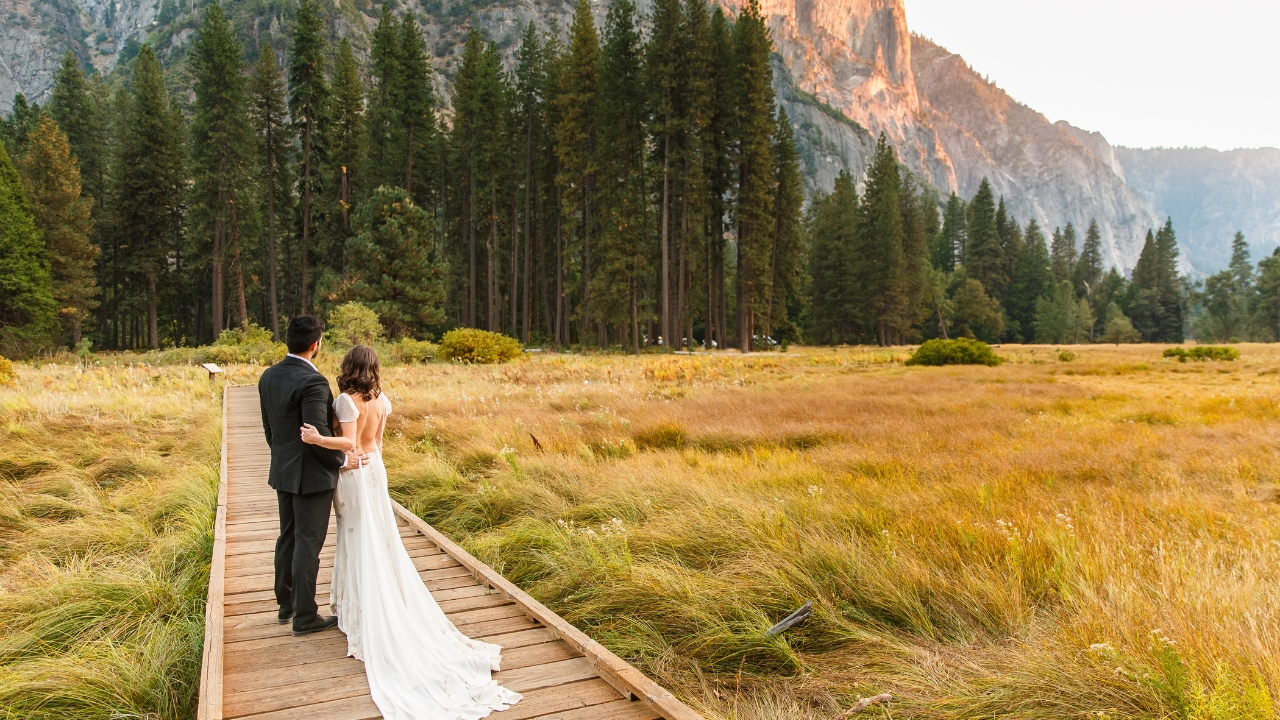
[302,333]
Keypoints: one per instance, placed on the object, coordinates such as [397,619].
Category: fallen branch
[863,704]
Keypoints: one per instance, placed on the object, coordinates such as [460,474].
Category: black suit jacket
[292,393]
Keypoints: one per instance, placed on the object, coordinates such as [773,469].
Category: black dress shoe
[315,626]
[285,615]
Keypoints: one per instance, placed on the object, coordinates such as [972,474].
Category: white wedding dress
[420,667]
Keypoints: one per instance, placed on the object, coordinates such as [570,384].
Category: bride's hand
[310,435]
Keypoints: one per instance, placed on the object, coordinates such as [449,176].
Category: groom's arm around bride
[293,392]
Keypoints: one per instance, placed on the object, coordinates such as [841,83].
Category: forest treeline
[610,187]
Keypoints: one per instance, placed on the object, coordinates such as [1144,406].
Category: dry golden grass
[108,480]
[1046,539]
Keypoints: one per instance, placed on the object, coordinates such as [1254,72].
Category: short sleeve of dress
[345,408]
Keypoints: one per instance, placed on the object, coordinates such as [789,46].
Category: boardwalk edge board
[639,695]
[210,702]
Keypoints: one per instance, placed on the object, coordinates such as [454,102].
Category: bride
[419,665]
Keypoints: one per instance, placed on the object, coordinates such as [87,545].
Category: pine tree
[917,231]
[949,245]
[832,226]
[62,214]
[753,157]
[1267,311]
[662,78]
[577,135]
[463,141]
[531,97]
[151,183]
[395,267]
[384,115]
[492,158]
[222,151]
[308,106]
[1141,303]
[787,256]
[983,257]
[1010,245]
[22,120]
[27,306]
[692,202]
[1032,279]
[623,251]
[1169,285]
[880,262]
[718,165]
[270,124]
[1088,271]
[417,114]
[345,158]
[1063,252]
[75,107]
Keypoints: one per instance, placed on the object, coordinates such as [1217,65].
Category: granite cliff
[846,71]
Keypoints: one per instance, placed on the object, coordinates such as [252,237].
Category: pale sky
[1144,73]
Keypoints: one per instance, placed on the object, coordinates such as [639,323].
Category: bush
[409,351]
[478,346]
[1066,356]
[961,351]
[250,345]
[353,324]
[6,371]
[1202,353]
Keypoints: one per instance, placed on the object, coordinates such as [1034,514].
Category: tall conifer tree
[27,307]
[222,149]
[62,214]
[308,106]
[270,124]
[150,184]
[880,270]
[753,156]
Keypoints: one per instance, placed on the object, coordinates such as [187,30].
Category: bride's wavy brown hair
[360,368]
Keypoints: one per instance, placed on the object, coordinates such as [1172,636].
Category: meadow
[1082,534]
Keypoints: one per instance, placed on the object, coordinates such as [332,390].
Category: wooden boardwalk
[255,668]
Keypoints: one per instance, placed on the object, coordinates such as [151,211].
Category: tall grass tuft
[108,480]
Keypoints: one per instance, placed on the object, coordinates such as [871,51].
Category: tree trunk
[271,256]
[471,232]
[305,301]
[153,328]
[562,323]
[219,228]
[667,336]
[491,299]
[515,257]
[530,190]
[586,257]
[241,307]
[635,321]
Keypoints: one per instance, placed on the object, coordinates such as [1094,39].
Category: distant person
[418,664]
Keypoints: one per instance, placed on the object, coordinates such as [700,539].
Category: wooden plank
[611,667]
[571,696]
[209,702]
[546,675]
[299,694]
[355,708]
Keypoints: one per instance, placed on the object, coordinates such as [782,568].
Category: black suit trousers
[304,522]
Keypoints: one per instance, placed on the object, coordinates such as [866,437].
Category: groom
[293,392]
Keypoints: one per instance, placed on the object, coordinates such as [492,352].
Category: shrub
[1066,356]
[1202,353]
[6,371]
[469,345]
[961,351]
[409,351]
[353,324]
[253,344]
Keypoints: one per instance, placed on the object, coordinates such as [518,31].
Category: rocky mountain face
[1211,195]
[846,71]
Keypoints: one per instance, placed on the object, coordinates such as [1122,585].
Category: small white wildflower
[814,491]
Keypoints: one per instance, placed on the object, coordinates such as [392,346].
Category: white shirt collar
[313,367]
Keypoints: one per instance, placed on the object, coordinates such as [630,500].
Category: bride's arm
[346,442]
